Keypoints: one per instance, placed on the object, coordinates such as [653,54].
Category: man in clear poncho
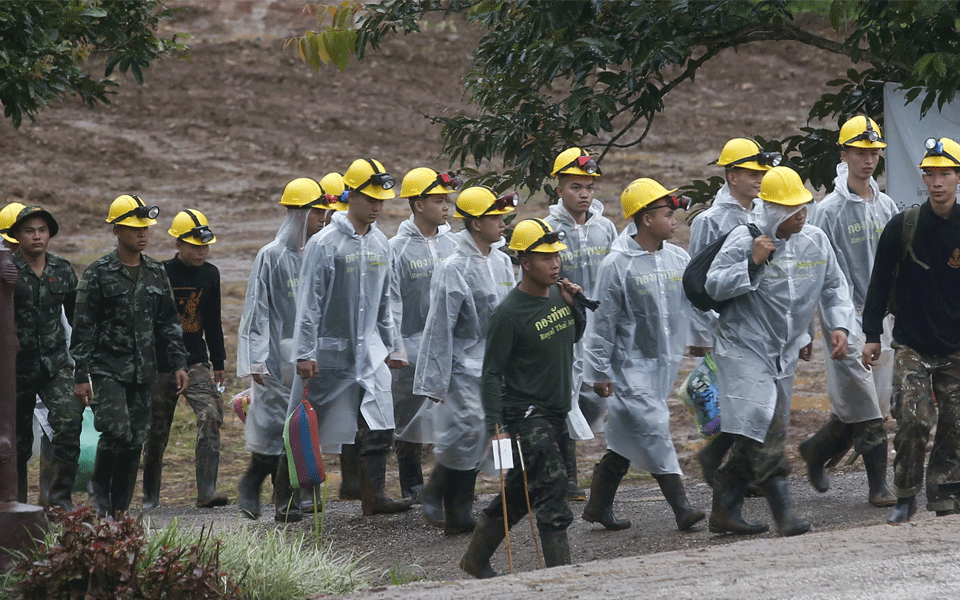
[775,283]
[635,345]
[588,237]
[266,332]
[345,332]
[421,243]
[853,217]
[464,291]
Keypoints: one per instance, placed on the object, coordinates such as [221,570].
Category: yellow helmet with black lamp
[130,210]
[783,186]
[745,153]
[645,191]
[941,153]
[8,215]
[192,227]
[424,181]
[368,176]
[574,161]
[29,212]
[536,235]
[861,132]
[480,201]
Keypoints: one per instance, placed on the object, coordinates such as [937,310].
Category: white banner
[904,131]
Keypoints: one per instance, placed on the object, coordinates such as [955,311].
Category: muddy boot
[778,497]
[126,466]
[208,465]
[261,467]
[556,546]
[875,463]
[288,499]
[349,473]
[486,538]
[458,503]
[711,456]
[607,475]
[103,464]
[673,491]
[373,470]
[726,517]
[410,470]
[46,471]
[820,448]
[431,498]
[904,509]
[62,474]
[152,471]
[311,500]
[569,451]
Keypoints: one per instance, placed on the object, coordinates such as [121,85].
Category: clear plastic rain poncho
[344,323]
[636,341]
[266,333]
[724,214]
[587,246]
[761,331]
[853,226]
[414,259]
[464,291]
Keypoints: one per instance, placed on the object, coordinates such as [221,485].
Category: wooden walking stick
[526,491]
[503,501]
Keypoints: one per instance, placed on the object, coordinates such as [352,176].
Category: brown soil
[223,130]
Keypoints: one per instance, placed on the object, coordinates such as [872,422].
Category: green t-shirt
[528,360]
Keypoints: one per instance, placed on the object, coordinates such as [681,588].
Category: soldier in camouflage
[46,287]
[125,313]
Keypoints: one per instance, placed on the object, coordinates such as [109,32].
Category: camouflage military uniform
[43,365]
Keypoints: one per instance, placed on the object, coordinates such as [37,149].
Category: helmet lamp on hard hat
[585,163]
[444,180]
[550,237]
[378,178]
[861,132]
[937,150]
[574,161]
[141,211]
[765,159]
[535,235]
[191,226]
[504,202]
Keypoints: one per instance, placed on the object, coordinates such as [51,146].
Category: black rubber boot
[778,497]
[711,456]
[152,472]
[22,479]
[46,470]
[485,541]
[556,546]
[373,471]
[410,470]
[126,466]
[821,447]
[349,473]
[901,513]
[100,479]
[431,499]
[607,475]
[458,503]
[569,451]
[672,488]
[62,475]
[311,500]
[208,466]
[875,463]
[726,515]
[288,499]
[261,467]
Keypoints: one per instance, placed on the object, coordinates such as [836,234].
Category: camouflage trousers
[203,398]
[926,393]
[121,413]
[757,462]
[540,437]
[65,414]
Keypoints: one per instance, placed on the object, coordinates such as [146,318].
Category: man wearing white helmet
[774,283]
[588,236]
[853,216]
[344,333]
[421,243]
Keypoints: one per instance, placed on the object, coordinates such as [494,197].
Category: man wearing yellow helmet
[421,243]
[125,317]
[527,389]
[588,237]
[196,289]
[464,291]
[7,216]
[918,256]
[853,216]
[774,283]
[634,349]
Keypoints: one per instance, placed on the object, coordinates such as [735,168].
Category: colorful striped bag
[301,438]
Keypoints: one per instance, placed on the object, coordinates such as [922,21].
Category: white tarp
[905,132]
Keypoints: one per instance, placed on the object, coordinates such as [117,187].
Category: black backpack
[695,275]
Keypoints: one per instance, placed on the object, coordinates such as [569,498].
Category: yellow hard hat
[782,185]
[536,235]
[192,227]
[8,216]
[333,190]
[130,210]
[480,201]
[300,192]
[941,153]
[861,132]
[640,193]
[368,176]
[574,161]
[423,181]
[745,153]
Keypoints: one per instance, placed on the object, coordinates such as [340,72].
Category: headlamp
[550,237]
[935,148]
[141,212]
[767,159]
[325,200]
[380,180]
[869,134]
[584,163]
[448,180]
[511,200]
[202,233]
[673,203]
